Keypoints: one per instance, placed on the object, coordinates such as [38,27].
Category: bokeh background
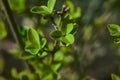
[94,56]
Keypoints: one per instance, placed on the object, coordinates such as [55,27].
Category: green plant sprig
[44,58]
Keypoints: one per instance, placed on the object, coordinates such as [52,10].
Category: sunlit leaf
[77,13]
[68,39]
[43,42]
[116,40]
[59,56]
[43,54]
[32,48]
[33,42]
[33,36]
[74,12]
[48,77]
[69,28]
[55,67]
[115,77]
[3,32]
[43,10]
[114,29]
[56,34]
[14,73]
[51,4]
[70,5]
[75,28]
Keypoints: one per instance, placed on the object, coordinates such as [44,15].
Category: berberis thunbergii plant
[44,58]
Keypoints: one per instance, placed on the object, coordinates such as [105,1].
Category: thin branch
[11,22]
[54,24]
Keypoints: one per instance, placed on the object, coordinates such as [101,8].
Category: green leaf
[115,77]
[3,32]
[14,73]
[33,36]
[114,29]
[51,4]
[33,42]
[70,5]
[64,24]
[77,13]
[43,10]
[56,35]
[68,39]
[69,28]
[74,13]
[48,77]
[75,28]
[59,56]
[22,31]
[43,54]
[116,40]
[43,42]
[55,67]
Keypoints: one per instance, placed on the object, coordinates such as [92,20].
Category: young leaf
[3,32]
[43,54]
[68,39]
[116,40]
[115,77]
[43,10]
[51,4]
[33,42]
[48,77]
[33,36]
[43,42]
[76,14]
[14,73]
[70,5]
[56,66]
[32,48]
[75,28]
[114,29]
[56,34]
[58,56]
[22,31]
[69,28]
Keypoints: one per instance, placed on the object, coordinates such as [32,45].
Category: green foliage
[58,56]
[50,56]
[74,13]
[3,32]
[115,77]
[24,75]
[44,10]
[114,29]
[33,42]
[68,39]
[22,31]
[56,34]
[51,4]
[46,58]
[114,32]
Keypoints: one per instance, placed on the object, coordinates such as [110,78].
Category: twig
[53,23]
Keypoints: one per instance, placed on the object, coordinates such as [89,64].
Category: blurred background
[94,56]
